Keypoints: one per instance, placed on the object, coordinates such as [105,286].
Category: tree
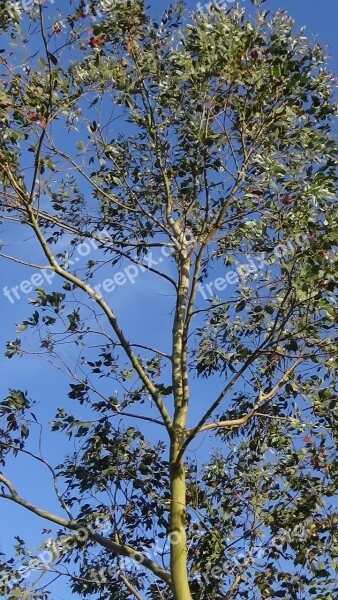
[174,150]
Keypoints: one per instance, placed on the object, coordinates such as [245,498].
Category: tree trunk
[178,542]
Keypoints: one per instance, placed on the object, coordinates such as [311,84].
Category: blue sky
[45,384]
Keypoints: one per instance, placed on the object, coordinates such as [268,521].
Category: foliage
[207,138]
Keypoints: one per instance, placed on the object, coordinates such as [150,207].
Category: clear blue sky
[320,18]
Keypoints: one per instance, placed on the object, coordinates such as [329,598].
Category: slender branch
[37,159]
[150,387]
[263,397]
[193,432]
[103,242]
[234,585]
[49,467]
[123,578]
[159,352]
[99,189]
[23,262]
[8,485]
[236,376]
[231,422]
[92,235]
[140,417]
[110,197]
[130,587]
[119,549]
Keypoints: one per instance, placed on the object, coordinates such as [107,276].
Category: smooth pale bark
[178,542]
[178,545]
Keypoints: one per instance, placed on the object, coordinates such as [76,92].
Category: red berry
[287,199]
[254,54]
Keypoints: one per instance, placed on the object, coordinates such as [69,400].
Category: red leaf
[99,41]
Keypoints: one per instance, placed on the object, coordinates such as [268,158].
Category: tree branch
[150,387]
[247,363]
[119,549]
[49,467]
[234,585]
[243,420]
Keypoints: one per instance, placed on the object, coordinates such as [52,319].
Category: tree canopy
[195,153]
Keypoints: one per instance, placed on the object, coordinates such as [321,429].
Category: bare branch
[8,485]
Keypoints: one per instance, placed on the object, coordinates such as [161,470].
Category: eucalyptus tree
[196,151]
